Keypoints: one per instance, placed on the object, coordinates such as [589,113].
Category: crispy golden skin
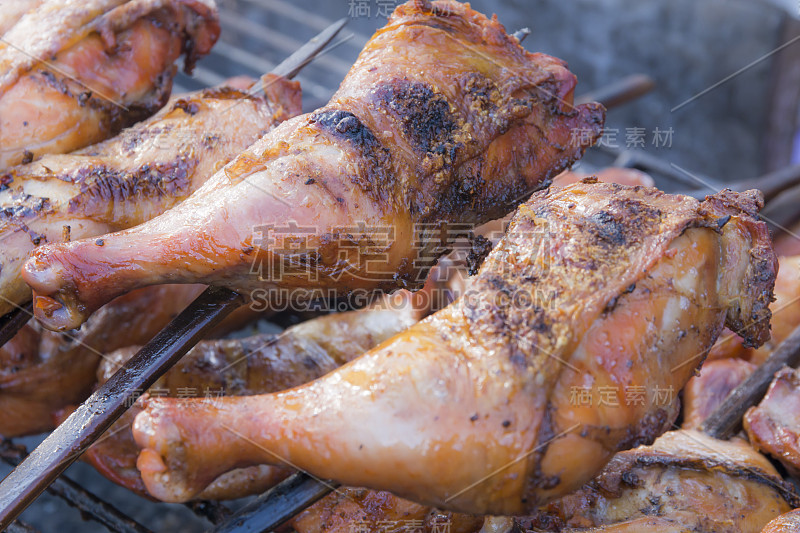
[252,365]
[443,119]
[686,481]
[774,425]
[472,409]
[132,177]
[75,73]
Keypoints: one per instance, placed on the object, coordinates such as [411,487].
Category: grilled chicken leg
[73,73]
[257,364]
[443,119]
[686,481]
[597,287]
[132,177]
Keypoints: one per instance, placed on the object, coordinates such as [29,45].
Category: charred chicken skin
[473,409]
[76,73]
[443,119]
[132,177]
[686,481]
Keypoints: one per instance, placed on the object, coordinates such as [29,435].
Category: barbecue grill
[256,36]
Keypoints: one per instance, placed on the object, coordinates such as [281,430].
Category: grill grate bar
[20,527]
[77,496]
[280,503]
[212,511]
[306,18]
[259,64]
[238,23]
[206,77]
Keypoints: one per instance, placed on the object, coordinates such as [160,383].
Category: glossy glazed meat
[349,509]
[42,371]
[774,425]
[474,408]
[73,73]
[444,121]
[252,365]
[706,391]
[785,317]
[686,481]
[132,177]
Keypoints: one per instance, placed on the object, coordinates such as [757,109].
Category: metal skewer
[92,418]
[12,322]
[726,419]
[277,505]
[620,92]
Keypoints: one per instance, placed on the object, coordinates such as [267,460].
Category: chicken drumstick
[73,73]
[480,408]
[443,119]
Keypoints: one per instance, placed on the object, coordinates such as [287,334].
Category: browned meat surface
[785,317]
[443,121]
[774,425]
[785,523]
[706,391]
[686,481]
[621,175]
[348,510]
[474,409]
[132,177]
[252,365]
[42,371]
[75,73]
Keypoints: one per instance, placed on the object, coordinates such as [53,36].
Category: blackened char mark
[424,115]
[5,181]
[612,227]
[608,229]
[104,185]
[345,125]
[374,163]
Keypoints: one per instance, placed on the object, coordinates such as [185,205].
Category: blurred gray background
[740,129]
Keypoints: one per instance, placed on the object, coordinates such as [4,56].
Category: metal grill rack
[256,35]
